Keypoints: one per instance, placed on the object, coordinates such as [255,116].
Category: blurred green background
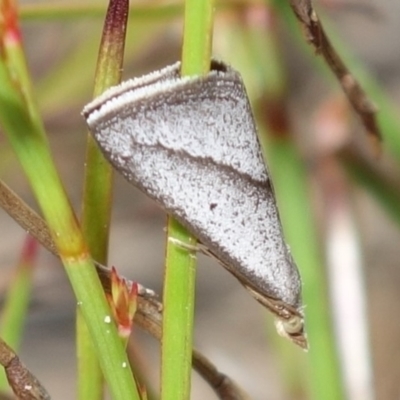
[352,196]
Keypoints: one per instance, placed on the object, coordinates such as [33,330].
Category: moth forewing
[191,145]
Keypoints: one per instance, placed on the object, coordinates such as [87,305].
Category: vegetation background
[230,327]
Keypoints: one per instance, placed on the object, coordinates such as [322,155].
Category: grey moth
[190,143]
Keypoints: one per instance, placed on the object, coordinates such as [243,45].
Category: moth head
[293,329]
[289,320]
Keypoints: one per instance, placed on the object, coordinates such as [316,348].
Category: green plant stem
[376,183]
[178,312]
[97,193]
[180,270]
[291,190]
[89,377]
[23,127]
[197,40]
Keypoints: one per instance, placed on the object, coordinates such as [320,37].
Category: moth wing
[191,145]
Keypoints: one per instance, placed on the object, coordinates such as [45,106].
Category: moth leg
[186,246]
[204,250]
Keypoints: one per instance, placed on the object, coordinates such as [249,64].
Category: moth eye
[292,326]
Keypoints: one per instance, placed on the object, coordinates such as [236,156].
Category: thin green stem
[197,40]
[290,180]
[376,183]
[177,328]
[24,129]
[90,378]
[180,270]
[97,193]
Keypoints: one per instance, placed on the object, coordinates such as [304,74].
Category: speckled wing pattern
[191,145]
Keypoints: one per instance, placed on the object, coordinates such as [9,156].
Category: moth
[190,143]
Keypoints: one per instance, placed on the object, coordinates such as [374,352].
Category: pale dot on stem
[107,319]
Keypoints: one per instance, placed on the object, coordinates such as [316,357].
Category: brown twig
[317,37]
[148,315]
[26,217]
[23,383]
